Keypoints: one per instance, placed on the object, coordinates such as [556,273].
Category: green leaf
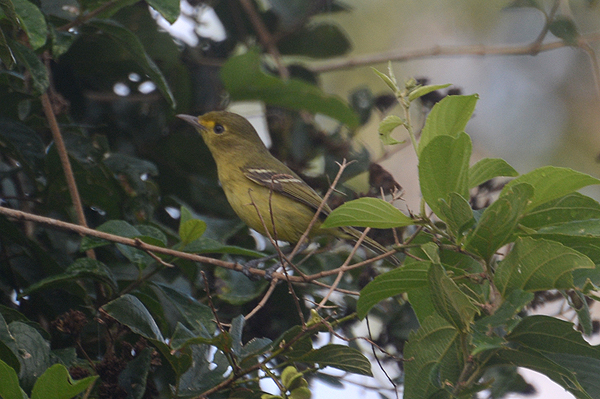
[132,44]
[448,117]
[504,315]
[8,346]
[340,357]
[423,90]
[27,58]
[237,289]
[367,212]
[83,268]
[488,168]
[449,301]
[457,213]
[390,81]
[564,28]
[32,21]
[169,9]
[6,55]
[33,351]
[566,209]
[317,40]
[194,315]
[443,169]
[534,360]
[435,356]
[129,311]
[536,265]
[386,126]
[552,335]
[56,383]
[191,229]
[498,222]
[392,283]
[133,378]
[244,79]
[9,383]
[8,8]
[551,182]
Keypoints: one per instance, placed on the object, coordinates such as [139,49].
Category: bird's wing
[287,184]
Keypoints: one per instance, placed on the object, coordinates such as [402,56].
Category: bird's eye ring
[218,129]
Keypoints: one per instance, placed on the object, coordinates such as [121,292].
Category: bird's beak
[192,120]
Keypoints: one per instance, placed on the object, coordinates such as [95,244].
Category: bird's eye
[218,129]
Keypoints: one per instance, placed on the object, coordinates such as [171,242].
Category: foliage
[153,303]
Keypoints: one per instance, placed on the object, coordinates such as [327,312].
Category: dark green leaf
[133,378]
[8,8]
[32,21]
[564,28]
[488,168]
[340,357]
[448,117]
[367,212]
[194,315]
[434,350]
[552,335]
[534,360]
[23,144]
[317,40]
[498,222]
[536,265]
[131,43]
[449,301]
[33,351]
[392,283]
[84,268]
[8,347]
[169,9]
[128,310]
[6,54]
[551,182]
[244,79]
[443,168]
[56,383]
[236,288]
[27,58]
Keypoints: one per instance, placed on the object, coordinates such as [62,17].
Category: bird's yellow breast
[290,217]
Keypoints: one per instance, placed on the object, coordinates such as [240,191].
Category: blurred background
[116,87]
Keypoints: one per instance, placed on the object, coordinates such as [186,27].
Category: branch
[137,243]
[448,51]
[65,163]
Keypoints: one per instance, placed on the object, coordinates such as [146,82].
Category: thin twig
[322,205]
[263,301]
[80,20]
[342,269]
[265,37]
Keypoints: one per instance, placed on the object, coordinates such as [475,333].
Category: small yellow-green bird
[249,175]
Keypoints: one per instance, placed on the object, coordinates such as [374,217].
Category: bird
[261,189]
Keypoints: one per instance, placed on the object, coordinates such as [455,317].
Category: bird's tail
[370,243]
